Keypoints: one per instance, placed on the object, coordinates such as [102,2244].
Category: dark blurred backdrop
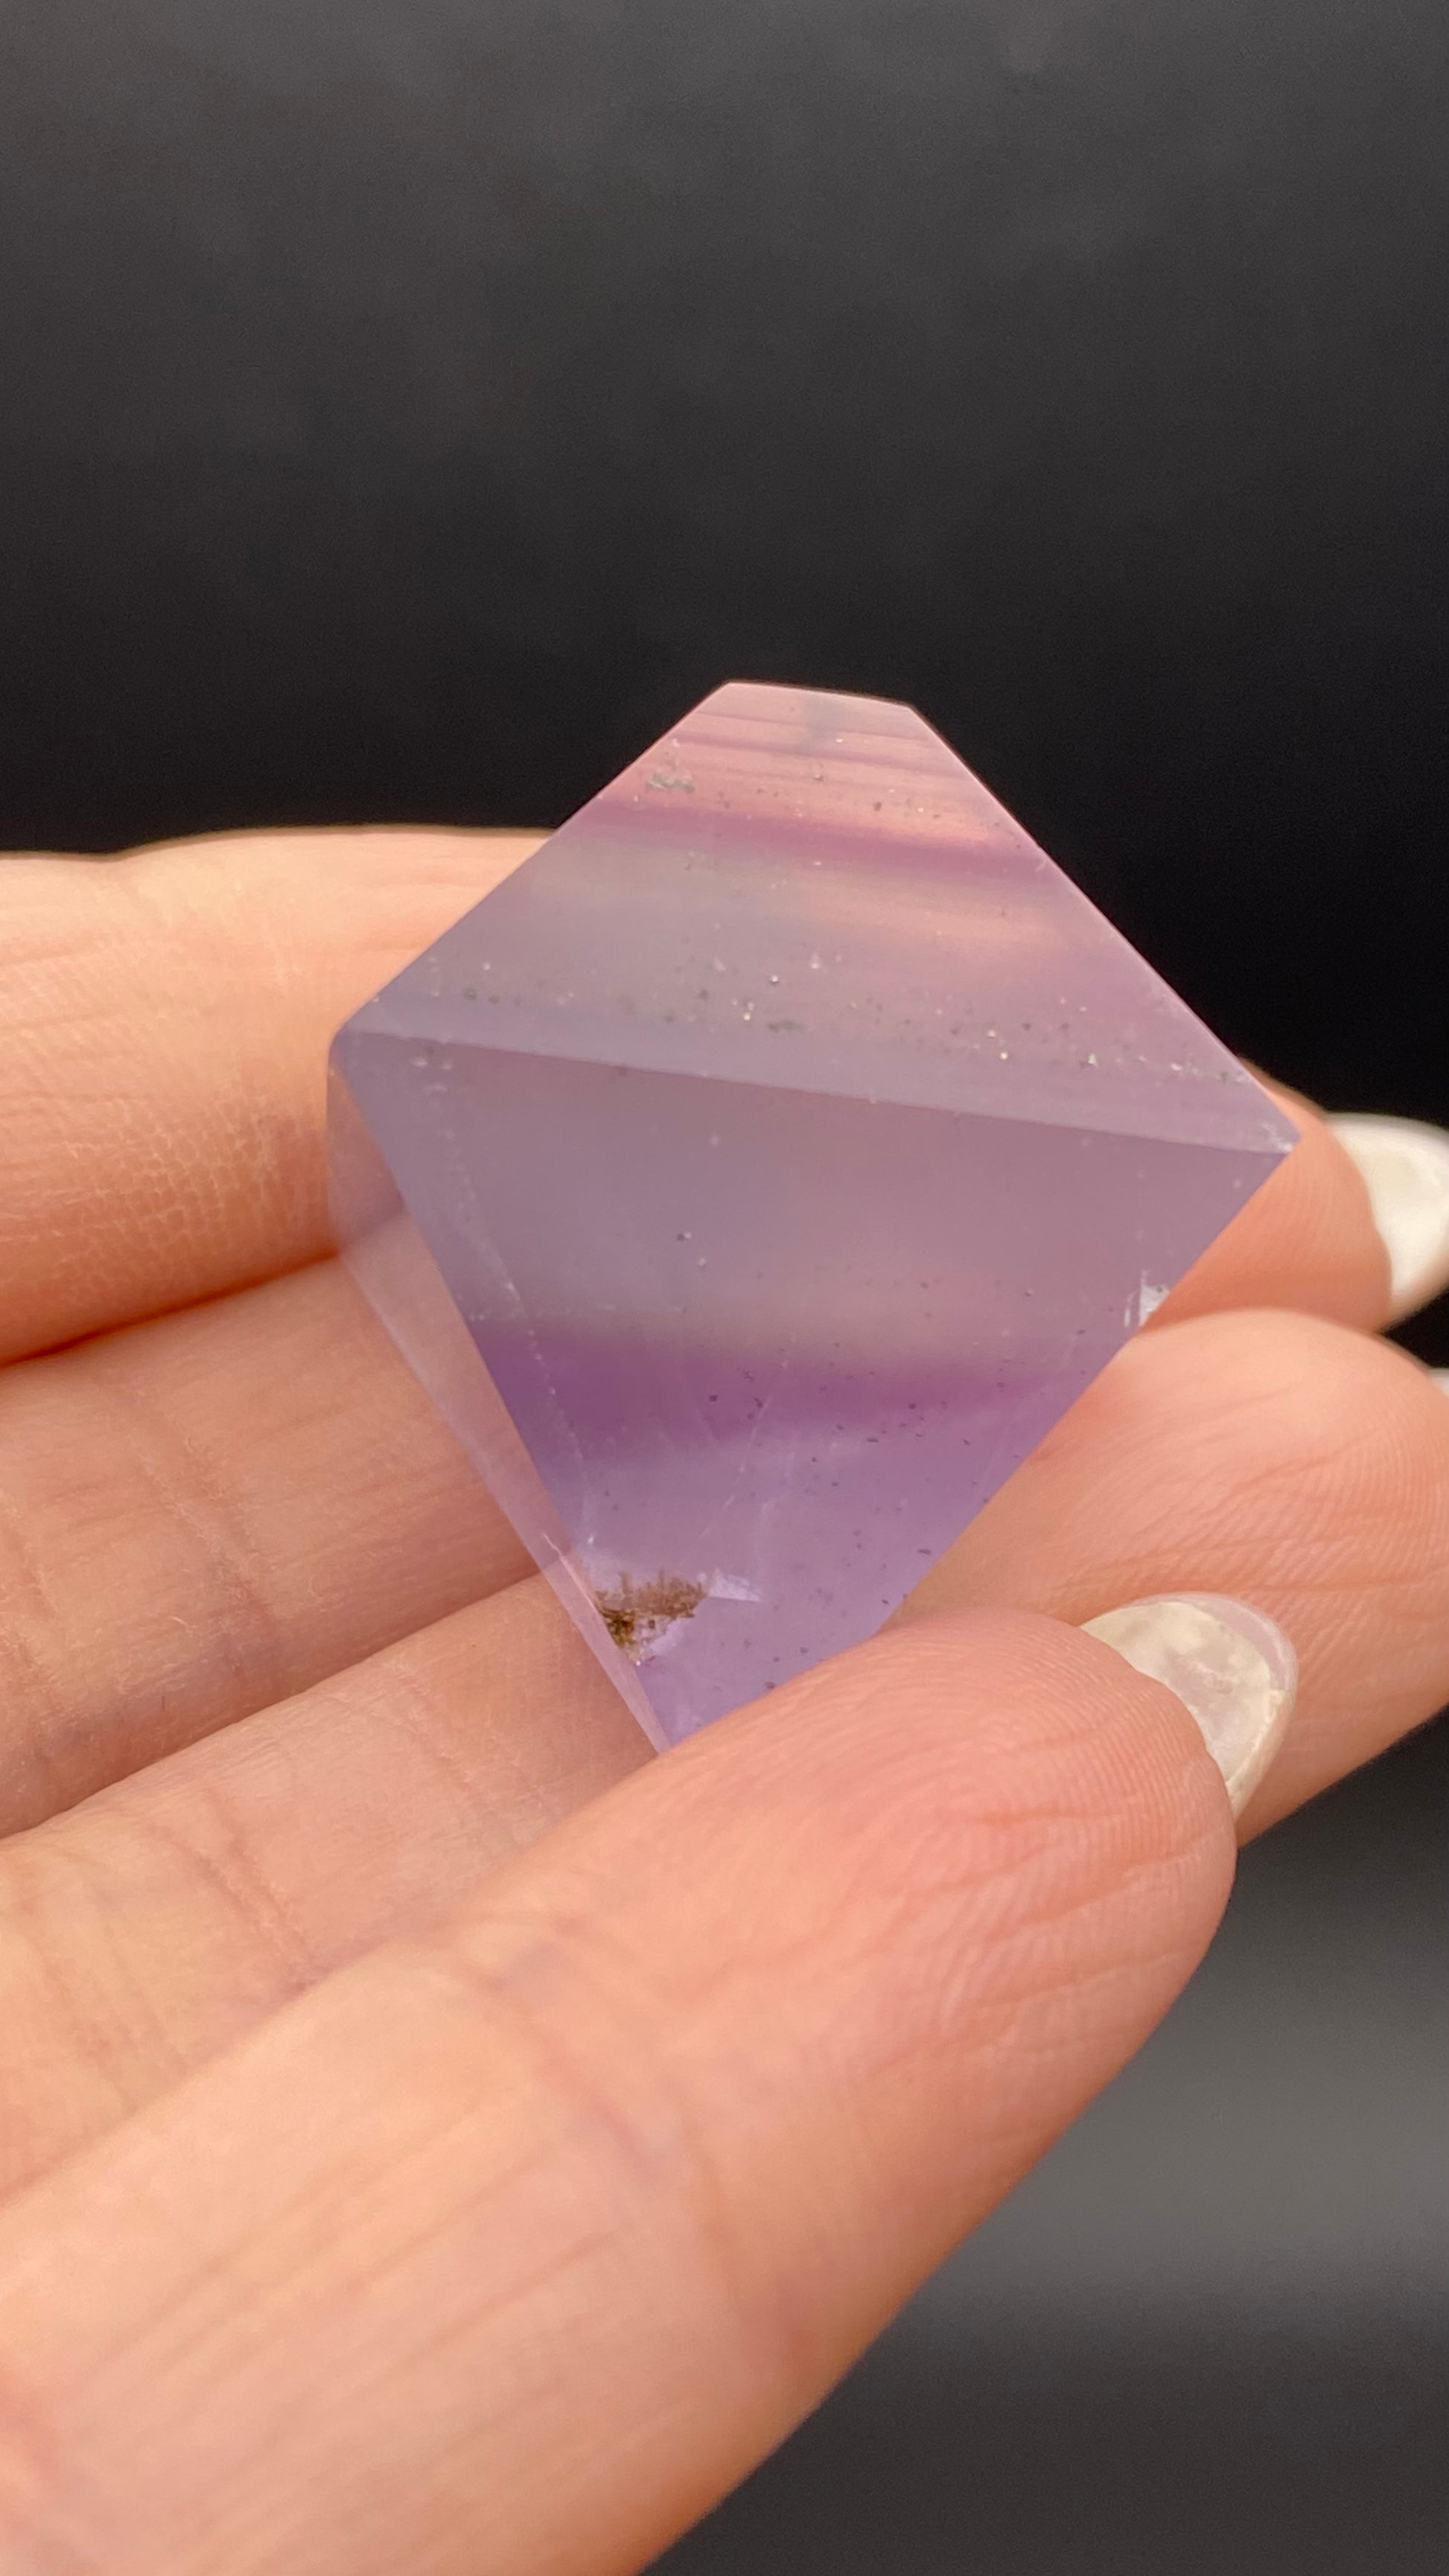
[410,406]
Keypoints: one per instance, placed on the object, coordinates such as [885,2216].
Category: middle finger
[216,1509]
[1271,1456]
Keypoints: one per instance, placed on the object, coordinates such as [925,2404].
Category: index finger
[164,1019]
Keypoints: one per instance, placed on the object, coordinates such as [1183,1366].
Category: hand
[439,2137]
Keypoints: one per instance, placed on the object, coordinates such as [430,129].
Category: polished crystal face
[758,1173]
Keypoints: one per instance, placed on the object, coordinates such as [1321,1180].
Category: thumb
[516,2247]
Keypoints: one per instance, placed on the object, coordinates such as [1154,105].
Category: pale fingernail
[1234,1671]
[1441,1378]
[1404,1166]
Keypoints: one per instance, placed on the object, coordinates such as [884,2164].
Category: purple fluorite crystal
[759,1172]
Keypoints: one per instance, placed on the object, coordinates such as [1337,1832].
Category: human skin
[435,2133]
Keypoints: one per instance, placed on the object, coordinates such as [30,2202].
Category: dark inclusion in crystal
[758,1173]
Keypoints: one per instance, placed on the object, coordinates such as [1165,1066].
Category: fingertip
[1404,1165]
[1305,1240]
[1233,1668]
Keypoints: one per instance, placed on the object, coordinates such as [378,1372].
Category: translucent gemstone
[758,1173]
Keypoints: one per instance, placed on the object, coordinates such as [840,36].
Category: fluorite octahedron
[760,1171]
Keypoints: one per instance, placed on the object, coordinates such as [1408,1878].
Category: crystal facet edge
[386,1255]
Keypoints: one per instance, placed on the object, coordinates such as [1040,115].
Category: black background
[410,406]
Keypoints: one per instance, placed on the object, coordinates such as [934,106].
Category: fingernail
[1235,1673]
[1404,1166]
[1441,1378]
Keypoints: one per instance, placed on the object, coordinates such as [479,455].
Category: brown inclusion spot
[637,1614]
